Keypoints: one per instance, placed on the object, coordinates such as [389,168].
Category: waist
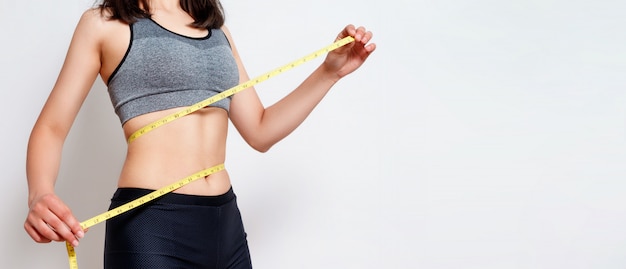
[129,194]
[213,184]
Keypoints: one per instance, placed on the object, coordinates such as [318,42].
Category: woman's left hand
[350,57]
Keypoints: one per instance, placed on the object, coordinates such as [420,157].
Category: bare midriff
[176,150]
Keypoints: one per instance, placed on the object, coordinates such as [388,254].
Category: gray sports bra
[163,69]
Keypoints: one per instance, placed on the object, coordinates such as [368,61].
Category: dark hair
[206,13]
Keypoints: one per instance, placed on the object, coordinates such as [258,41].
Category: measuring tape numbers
[188,110]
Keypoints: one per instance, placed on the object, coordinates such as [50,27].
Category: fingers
[71,229]
[361,35]
[349,30]
[34,234]
[350,57]
[49,219]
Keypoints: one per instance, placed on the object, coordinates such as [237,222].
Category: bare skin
[97,47]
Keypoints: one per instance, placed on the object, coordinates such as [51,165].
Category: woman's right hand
[49,219]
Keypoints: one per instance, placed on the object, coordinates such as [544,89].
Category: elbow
[259,139]
[262,150]
[260,147]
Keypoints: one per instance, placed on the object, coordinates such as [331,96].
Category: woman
[157,56]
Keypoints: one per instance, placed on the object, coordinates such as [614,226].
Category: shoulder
[96,23]
[93,18]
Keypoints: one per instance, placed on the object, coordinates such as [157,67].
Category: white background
[481,134]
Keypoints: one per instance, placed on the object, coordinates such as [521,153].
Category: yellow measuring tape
[238,88]
[206,172]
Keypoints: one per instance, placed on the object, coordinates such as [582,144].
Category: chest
[161,58]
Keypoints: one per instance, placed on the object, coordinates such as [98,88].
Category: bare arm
[263,127]
[49,219]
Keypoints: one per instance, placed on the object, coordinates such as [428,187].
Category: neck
[165,5]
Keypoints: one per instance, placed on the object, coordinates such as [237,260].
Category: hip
[177,231]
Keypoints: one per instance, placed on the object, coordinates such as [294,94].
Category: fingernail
[80,234]
[75,243]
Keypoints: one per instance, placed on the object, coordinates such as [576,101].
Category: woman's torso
[175,150]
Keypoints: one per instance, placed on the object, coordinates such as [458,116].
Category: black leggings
[176,231]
